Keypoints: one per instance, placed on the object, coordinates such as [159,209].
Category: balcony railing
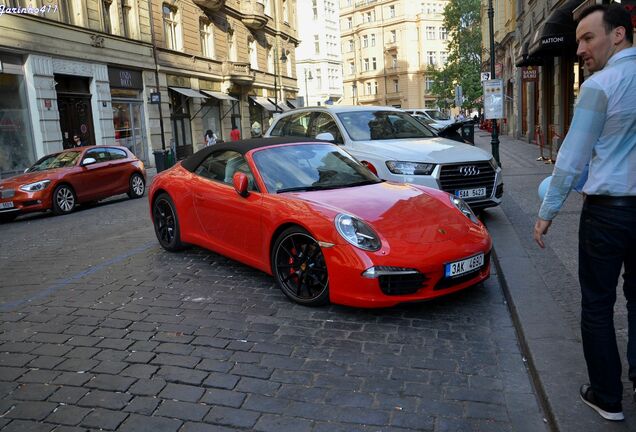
[365,2]
[239,73]
[253,14]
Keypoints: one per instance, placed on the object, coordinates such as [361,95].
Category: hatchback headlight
[357,232]
[410,168]
[35,187]
[461,205]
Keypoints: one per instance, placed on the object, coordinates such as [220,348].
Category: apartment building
[318,58]
[145,74]
[387,47]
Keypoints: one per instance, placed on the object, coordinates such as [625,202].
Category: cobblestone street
[103,329]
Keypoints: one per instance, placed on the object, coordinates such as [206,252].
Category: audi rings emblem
[469,170]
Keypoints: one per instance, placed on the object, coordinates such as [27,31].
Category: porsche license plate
[471,193]
[457,268]
[6,205]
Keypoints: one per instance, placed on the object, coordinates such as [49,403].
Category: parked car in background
[321,223]
[397,147]
[61,181]
[437,119]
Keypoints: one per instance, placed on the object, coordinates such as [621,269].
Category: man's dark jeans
[607,241]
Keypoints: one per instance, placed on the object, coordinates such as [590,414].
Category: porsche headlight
[461,205]
[357,232]
[410,168]
[35,187]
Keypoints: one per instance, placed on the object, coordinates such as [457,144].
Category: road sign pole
[494,141]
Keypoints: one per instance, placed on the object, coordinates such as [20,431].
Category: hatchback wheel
[137,186]
[64,200]
[164,217]
[299,267]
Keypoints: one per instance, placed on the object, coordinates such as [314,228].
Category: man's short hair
[614,15]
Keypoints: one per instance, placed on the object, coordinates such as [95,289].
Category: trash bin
[468,132]
[161,159]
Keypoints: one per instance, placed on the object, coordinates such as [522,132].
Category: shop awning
[524,59]
[219,95]
[557,35]
[291,104]
[188,92]
[282,106]
[264,102]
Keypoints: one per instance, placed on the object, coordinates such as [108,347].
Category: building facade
[318,58]
[387,47]
[146,74]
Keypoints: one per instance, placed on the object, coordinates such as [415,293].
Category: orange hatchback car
[60,181]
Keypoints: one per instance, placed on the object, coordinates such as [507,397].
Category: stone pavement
[542,287]
[101,329]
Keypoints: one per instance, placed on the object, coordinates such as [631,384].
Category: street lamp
[307,76]
[283,58]
[494,142]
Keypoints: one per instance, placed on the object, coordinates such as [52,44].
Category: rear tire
[8,217]
[164,218]
[137,186]
[64,200]
[299,267]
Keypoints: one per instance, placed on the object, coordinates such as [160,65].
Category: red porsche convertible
[321,223]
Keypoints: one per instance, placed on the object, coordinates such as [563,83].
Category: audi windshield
[382,125]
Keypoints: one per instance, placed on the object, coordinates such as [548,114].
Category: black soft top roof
[242,146]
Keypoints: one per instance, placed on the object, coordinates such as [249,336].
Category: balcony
[253,14]
[239,73]
[390,46]
[211,5]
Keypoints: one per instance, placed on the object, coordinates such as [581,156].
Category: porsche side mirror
[240,182]
[88,161]
[326,136]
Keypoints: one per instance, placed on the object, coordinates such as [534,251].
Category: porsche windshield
[59,160]
[310,167]
[382,125]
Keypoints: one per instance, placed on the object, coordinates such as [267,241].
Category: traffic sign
[493,99]
[485,76]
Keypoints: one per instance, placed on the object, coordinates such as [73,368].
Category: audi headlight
[357,232]
[410,168]
[35,187]
[493,163]
[461,205]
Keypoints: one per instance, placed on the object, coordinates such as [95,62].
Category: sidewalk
[543,291]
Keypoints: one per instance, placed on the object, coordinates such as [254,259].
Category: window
[366,64]
[394,61]
[285,12]
[443,57]
[350,45]
[367,17]
[375,87]
[268,7]
[374,63]
[231,46]
[396,86]
[352,68]
[106,16]
[430,33]
[429,84]
[391,11]
[270,60]
[324,123]
[253,53]
[393,36]
[128,26]
[318,78]
[171,28]
[354,90]
[431,60]
[373,39]
[222,165]
[349,22]
[368,87]
[100,154]
[314,6]
[365,41]
[206,32]
[115,154]
[443,35]
[316,44]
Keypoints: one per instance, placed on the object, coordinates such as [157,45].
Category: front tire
[299,267]
[137,186]
[164,218]
[64,200]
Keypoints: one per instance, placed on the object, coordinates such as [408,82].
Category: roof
[242,146]
[343,108]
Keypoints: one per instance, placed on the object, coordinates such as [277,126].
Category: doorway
[74,106]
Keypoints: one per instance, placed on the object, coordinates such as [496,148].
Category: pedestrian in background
[235,134]
[77,141]
[603,134]
[210,137]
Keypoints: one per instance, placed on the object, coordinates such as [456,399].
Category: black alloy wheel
[164,218]
[64,199]
[299,267]
[137,186]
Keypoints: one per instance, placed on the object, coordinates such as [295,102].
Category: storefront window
[260,119]
[211,118]
[129,131]
[16,144]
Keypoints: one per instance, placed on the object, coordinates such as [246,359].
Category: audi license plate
[471,193]
[464,266]
[6,205]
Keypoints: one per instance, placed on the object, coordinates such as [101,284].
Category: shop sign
[529,73]
[155,98]
[124,78]
[210,85]
[178,81]
[493,99]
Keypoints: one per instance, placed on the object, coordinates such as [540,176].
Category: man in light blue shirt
[603,135]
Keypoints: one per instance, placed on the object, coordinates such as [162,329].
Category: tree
[463,24]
